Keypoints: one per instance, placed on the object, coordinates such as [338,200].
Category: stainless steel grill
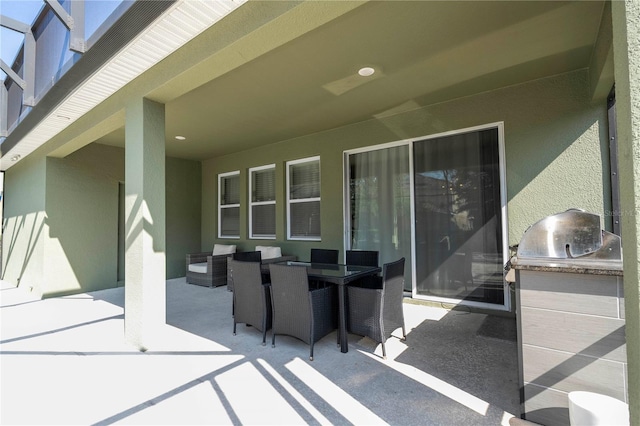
[573,238]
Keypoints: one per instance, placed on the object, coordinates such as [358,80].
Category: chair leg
[311,352]
[273,341]
[384,352]
[404,334]
[234,328]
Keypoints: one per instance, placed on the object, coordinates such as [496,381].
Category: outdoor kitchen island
[571,323]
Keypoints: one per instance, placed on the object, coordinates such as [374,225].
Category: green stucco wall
[183,191]
[81,244]
[555,144]
[61,226]
[184,188]
[24,224]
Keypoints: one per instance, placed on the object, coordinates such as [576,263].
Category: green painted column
[145,261]
[626,50]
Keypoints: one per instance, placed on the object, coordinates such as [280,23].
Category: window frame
[221,177]
[260,203]
[302,200]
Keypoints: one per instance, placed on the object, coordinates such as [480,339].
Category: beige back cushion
[269,252]
[223,249]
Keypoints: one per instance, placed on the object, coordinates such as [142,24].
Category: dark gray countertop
[570,266]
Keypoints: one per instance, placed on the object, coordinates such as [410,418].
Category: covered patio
[120,159]
[63,361]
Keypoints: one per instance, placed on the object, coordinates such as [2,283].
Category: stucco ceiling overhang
[129,48]
[296,75]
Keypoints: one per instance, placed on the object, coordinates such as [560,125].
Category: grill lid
[571,237]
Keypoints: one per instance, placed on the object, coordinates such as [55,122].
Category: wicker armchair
[251,298]
[376,313]
[207,269]
[308,315]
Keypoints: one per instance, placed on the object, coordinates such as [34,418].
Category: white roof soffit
[178,25]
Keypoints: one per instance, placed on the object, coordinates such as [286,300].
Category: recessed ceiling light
[366,71]
[15,158]
[181,138]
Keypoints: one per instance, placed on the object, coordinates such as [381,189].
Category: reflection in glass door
[458,217]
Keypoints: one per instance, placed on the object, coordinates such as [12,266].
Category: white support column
[626,52]
[145,261]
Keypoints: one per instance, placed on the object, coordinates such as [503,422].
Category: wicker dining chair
[376,313]
[251,298]
[329,256]
[242,256]
[305,314]
[248,256]
[364,258]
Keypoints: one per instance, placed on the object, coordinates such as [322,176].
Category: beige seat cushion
[200,268]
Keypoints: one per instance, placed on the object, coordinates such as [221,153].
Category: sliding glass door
[458,210]
[439,203]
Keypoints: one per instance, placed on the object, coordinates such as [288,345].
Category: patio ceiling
[424,52]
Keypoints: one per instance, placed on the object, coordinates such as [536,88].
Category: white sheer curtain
[380,206]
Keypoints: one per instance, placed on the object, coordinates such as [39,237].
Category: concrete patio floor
[63,361]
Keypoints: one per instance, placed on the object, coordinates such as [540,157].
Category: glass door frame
[506,306]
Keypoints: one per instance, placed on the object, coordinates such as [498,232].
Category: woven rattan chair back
[251,299]
[297,311]
[243,256]
[365,258]
[328,256]
[248,256]
[362,257]
[392,295]
[376,313]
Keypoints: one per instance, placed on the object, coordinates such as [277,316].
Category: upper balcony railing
[52,44]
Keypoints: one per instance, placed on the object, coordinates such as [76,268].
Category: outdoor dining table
[341,275]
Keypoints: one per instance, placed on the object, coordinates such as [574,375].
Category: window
[303,199]
[262,202]
[229,205]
